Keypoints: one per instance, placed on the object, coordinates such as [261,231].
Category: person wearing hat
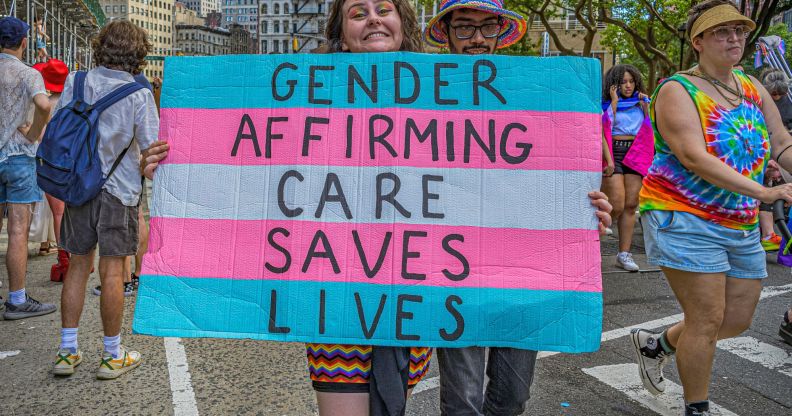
[475,27]
[714,128]
[21,90]
[55,72]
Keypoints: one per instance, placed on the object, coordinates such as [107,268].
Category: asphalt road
[753,375]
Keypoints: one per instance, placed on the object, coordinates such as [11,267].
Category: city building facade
[292,26]
[156,18]
[196,40]
[243,13]
[183,15]
[203,7]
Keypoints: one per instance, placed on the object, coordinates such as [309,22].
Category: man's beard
[484,46]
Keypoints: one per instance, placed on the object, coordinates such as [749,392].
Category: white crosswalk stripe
[625,379]
[759,352]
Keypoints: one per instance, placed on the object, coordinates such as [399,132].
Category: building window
[277,8]
[285,8]
[275,45]
[264,27]
[276,27]
[285,46]
[264,46]
[263,9]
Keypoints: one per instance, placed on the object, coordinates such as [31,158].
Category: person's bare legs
[742,296]
[626,219]
[111,302]
[715,307]
[56,206]
[143,236]
[343,404]
[613,187]
[73,292]
[125,272]
[16,257]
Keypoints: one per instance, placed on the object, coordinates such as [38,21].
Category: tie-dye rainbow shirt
[738,137]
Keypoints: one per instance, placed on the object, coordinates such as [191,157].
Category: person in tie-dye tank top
[716,128]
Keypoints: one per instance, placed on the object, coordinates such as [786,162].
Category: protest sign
[379,199]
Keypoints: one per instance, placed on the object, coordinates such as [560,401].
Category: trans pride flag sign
[380,199]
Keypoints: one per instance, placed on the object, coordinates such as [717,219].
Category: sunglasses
[489,30]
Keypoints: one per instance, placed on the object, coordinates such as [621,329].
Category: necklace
[718,85]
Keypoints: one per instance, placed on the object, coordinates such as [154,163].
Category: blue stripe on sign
[223,308]
[527,199]
[246,81]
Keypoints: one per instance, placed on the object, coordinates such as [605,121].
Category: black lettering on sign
[401,315]
[368,331]
[431,131]
[487,83]
[407,254]
[382,137]
[460,321]
[349,126]
[327,254]
[371,271]
[397,67]
[391,196]
[322,303]
[332,181]
[270,137]
[313,84]
[288,212]
[425,179]
[488,148]
[308,136]
[450,141]
[454,252]
[440,83]
[355,78]
[525,147]
[291,82]
[273,328]
[251,135]
[276,246]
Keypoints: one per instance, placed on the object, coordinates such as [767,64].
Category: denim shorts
[18,181]
[683,241]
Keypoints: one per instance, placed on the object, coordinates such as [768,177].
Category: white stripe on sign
[754,350]
[625,379]
[767,292]
[181,387]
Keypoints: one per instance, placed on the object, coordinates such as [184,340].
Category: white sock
[69,339]
[112,345]
[17,297]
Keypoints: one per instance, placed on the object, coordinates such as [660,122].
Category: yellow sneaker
[111,368]
[65,362]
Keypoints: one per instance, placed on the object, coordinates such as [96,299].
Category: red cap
[54,73]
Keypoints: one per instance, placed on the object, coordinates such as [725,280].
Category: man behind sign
[474,27]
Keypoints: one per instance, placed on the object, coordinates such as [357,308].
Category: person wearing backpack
[22,92]
[122,126]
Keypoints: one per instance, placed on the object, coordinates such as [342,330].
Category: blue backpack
[67,161]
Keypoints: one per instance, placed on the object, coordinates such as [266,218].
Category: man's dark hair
[12,46]
[121,45]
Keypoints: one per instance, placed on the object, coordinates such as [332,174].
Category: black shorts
[103,220]
[620,149]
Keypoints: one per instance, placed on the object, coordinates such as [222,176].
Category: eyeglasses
[489,30]
[725,32]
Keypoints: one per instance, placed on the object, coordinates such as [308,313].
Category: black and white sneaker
[785,331]
[651,359]
[129,289]
[691,410]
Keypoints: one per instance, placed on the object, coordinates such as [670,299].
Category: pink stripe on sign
[496,257]
[558,141]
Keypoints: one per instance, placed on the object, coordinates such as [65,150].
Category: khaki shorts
[103,220]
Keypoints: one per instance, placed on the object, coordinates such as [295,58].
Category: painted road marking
[6,354]
[767,292]
[756,351]
[184,403]
[625,379]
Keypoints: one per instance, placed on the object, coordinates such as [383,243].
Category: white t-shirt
[18,85]
[133,119]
